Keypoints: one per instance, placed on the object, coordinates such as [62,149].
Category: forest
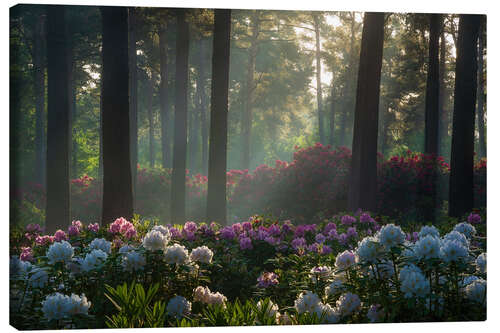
[309,166]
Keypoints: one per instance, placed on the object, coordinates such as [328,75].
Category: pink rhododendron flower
[93,227]
[73,230]
[246,243]
[26,254]
[60,236]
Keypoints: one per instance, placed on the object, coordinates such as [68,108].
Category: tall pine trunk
[431,146]
[319,94]
[363,184]
[246,123]
[178,194]
[151,124]
[58,121]
[464,109]
[117,178]
[348,96]
[332,116]
[216,197]
[203,108]
[480,90]
[39,88]
[164,110]
[133,102]
[443,114]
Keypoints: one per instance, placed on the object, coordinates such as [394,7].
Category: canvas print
[222,167]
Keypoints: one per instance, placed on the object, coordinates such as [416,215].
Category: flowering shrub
[343,270]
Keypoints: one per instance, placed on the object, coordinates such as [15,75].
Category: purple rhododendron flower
[314,247]
[365,218]
[33,228]
[190,226]
[272,240]
[351,232]
[26,254]
[44,240]
[320,238]
[330,226]
[227,233]
[343,238]
[274,230]
[267,279]
[299,243]
[73,230]
[60,236]
[190,236]
[325,249]
[246,243]
[175,233]
[332,234]
[474,218]
[246,226]
[347,220]
[93,227]
[237,228]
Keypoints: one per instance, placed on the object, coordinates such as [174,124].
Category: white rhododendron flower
[176,254]
[94,260]
[101,244]
[38,277]
[452,250]
[202,254]
[271,310]
[456,236]
[345,260]
[178,307]
[126,248]
[19,269]
[336,286]
[164,230]
[467,280]
[369,249]
[428,247]
[331,315]
[476,291]
[413,282]
[133,261]
[391,235]
[375,313]
[155,240]
[58,306]
[348,303]
[383,270]
[204,295]
[481,263]
[427,230]
[320,273]
[60,252]
[307,302]
[465,228]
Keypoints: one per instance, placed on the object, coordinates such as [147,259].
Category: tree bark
[39,88]
[58,121]
[216,197]
[444,118]
[203,109]
[117,177]
[178,194]
[462,141]
[319,94]
[480,91]
[431,146]
[332,116]
[151,124]
[363,184]
[132,54]
[164,110]
[432,88]
[246,123]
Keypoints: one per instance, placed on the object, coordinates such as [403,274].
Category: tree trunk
[319,97]
[348,95]
[151,124]
[464,107]
[132,54]
[332,116]
[432,88]
[117,179]
[100,171]
[203,109]
[363,185]
[164,110]
[58,121]
[480,91]
[246,123]
[216,197]
[444,123]
[39,88]
[178,194]
[432,110]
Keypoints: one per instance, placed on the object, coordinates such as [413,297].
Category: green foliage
[135,307]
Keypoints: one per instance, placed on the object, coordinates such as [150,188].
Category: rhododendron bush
[346,269]
[313,186]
